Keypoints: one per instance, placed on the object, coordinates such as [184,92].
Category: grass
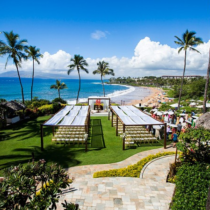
[19,141]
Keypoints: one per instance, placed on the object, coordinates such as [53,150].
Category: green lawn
[19,141]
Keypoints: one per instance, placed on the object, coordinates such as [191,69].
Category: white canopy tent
[69,116]
[131,116]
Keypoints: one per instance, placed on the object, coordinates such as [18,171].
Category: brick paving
[122,193]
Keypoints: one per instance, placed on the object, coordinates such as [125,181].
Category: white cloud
[150,58]
[99,34]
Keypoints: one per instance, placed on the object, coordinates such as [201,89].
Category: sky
[135,37]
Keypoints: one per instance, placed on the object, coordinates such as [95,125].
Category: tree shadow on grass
[96,134]
[52,154]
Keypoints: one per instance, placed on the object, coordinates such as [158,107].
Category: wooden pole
[112,118]
[42,143]
[123,137]
[53,128]
[117,126]
[86,128]
[176,155]
[165,125]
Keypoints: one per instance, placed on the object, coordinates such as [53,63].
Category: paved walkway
[122,193]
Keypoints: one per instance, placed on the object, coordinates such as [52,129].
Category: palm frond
[180,49]
[69,71]
[193,49]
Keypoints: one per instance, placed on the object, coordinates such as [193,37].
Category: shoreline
[151,99]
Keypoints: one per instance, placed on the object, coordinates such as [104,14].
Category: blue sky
[68,25]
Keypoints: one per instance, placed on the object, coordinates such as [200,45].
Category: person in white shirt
[181,120]
[166,118]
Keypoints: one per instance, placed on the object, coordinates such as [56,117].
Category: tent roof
[130,115]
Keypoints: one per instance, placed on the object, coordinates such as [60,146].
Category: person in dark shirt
[179,127]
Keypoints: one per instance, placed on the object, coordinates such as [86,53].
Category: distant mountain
[25,74]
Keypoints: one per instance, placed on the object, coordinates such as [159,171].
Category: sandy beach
[151,99]
[148,96]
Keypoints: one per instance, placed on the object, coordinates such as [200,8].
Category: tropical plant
[35,54]
[103,70]
[188,41]
[206,86]
[59,100]
[79,63]
[194,145]
[58,86]
[15,50]
[33,186]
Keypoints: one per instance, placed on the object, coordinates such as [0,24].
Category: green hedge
[132,170]
[192,183]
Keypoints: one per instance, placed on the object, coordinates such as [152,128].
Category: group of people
[175,123]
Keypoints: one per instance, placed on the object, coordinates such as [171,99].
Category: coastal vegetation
[79,63]
[188,41]
[58,86]
[103,69]
[35,54]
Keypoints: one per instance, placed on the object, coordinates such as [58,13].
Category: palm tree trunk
[20,83]
[79,86]
[180,92]
[59,93]
[103,85]
[32,82]
[206,86]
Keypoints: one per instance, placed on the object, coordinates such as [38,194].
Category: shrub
[192,183]
[46,109]
[59,100]
[32,186]
[2,100]
[194,145]
[132,170]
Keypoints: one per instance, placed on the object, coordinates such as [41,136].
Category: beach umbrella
[159,113]
[165,112]
[182,114]
[188,121]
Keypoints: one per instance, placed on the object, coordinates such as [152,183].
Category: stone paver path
[157,170]
[121,193]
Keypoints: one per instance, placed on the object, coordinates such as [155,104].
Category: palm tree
[78,63]
[206,86]
[103,69]
[35,54]
[188,41]
[59,86]
[15,50]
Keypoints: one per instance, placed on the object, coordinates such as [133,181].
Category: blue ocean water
[10,89]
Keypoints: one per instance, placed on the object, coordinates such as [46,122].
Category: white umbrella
[165,112]
[193,104]
[170,112]
[182,114]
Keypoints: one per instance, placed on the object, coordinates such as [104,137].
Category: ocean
[10,89]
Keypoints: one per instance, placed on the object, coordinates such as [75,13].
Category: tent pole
[117,126]
[112,118]
[123,137]
[42,143]
[165,125]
